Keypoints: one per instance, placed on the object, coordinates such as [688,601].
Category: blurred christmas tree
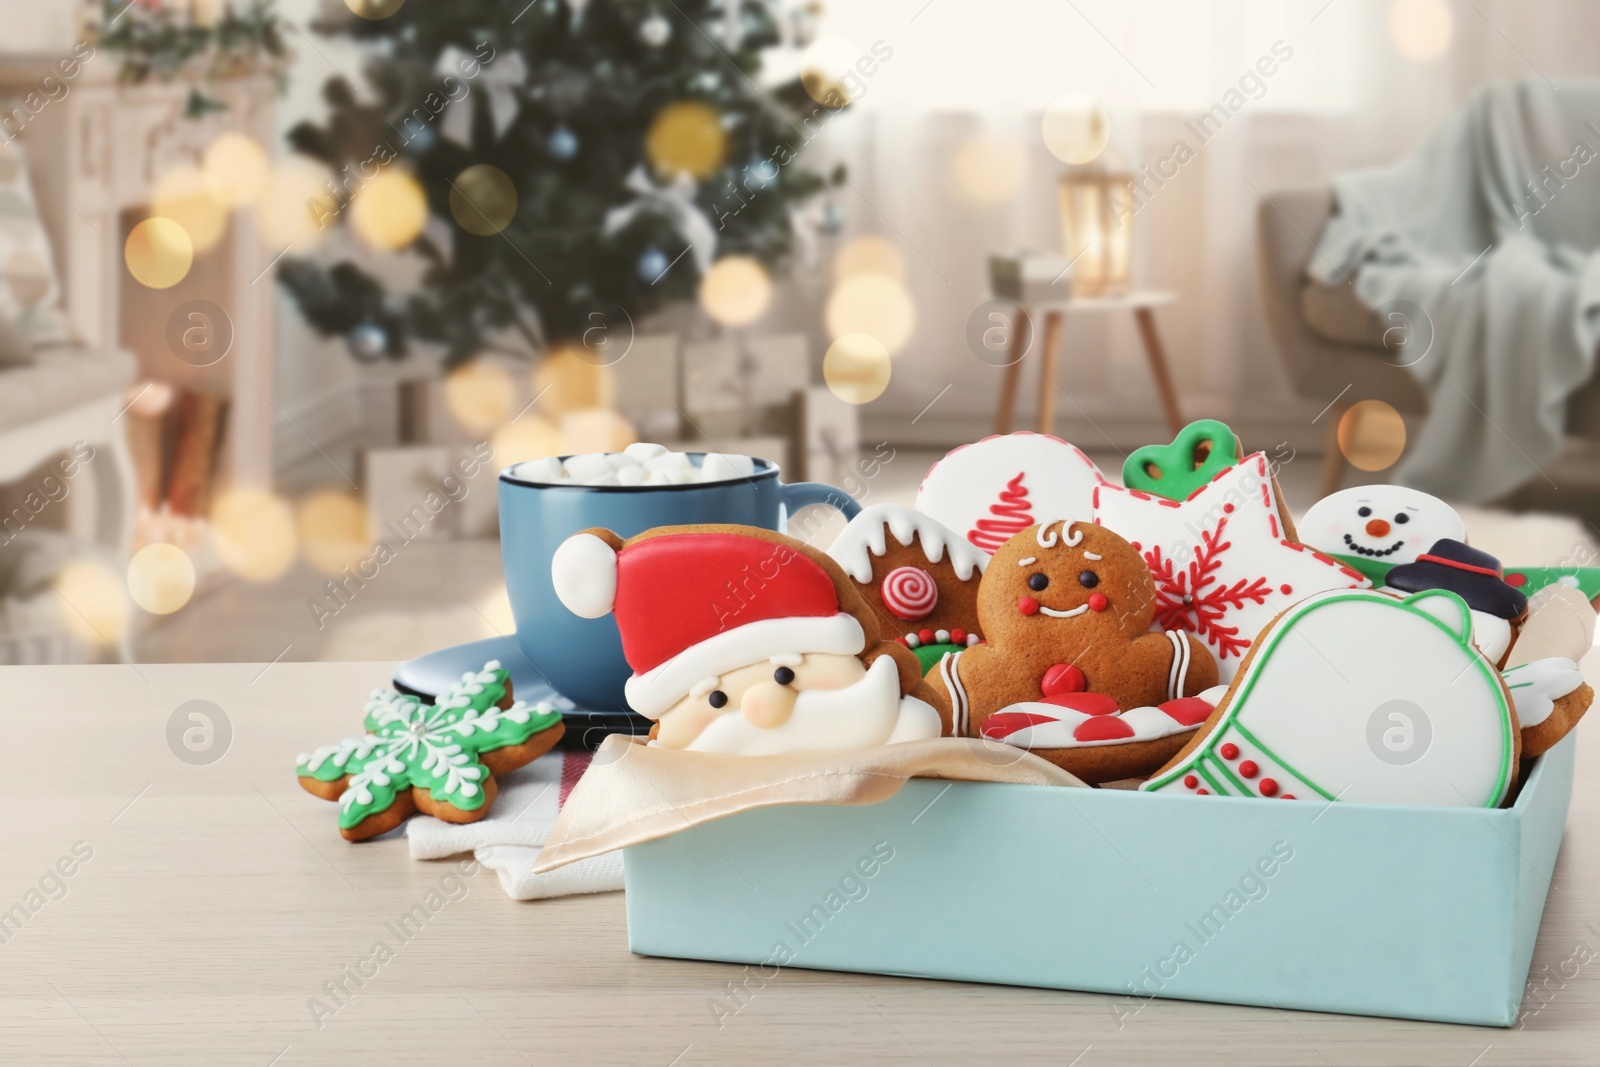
[554,166]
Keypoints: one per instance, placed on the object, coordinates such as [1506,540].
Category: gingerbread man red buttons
[1066,610]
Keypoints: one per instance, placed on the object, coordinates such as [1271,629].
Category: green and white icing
[1361,696]
[409,744]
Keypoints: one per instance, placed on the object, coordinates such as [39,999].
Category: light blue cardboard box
[1417,913]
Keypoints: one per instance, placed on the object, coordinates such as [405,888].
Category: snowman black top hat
[1473,575]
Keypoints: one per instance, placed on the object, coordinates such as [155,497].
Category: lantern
[1097,231]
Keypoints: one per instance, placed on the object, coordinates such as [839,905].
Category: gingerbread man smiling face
[1066,608]
[1067,585]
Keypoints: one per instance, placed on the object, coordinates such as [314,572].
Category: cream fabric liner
[633,793]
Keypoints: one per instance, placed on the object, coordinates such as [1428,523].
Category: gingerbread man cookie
[1070,668]
[438,758]
[920,577]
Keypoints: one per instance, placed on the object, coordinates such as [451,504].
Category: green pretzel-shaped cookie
[1202,450]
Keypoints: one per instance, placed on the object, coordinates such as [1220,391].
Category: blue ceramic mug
[582,658]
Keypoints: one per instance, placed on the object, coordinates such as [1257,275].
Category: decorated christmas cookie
[1069,668]
[921,578]
[438,758]
[1360,696]
[1474,576]
[745,641]
[1560,622]
[1541,669]
[1201,451]
[1375,527]
[989,490]
[1530,580]
[1221,559]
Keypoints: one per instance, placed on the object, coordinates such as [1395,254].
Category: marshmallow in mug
[638,464]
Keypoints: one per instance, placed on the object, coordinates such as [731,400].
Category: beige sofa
[1327,340]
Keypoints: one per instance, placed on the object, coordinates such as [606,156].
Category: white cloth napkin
[509,840]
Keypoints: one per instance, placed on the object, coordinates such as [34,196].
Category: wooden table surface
[217,901]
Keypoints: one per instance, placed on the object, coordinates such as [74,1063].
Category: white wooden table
[219,900]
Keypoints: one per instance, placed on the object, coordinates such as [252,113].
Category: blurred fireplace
[96,155]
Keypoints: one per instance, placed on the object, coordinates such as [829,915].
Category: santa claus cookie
[921,578]
[745,641]
[1070,669]
[1361,696]
[1372,528]
[989,490]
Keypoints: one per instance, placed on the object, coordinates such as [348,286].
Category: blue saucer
[427,676]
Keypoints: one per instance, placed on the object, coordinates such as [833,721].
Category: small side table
[1140,302]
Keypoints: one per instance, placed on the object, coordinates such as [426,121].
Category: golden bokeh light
[1076,128]
[529,437]
[988,169]
[159,253]
[389,211]
[296,209]
[149,400]
[483,200]
[686,137]
[374,9]
[595,430]
[1421,30]
[161,578]
[1372,435]
[868,254]
[182,195]
[565,381]
[94,603]
[735,291]
[254,532]
[235,170]
[333,530]
[827,71]
[856,368]
[480,395]
[872,304]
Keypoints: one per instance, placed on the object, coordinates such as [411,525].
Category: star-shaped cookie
[1222,565]
[438,758]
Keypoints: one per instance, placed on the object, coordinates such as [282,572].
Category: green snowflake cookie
[440,758]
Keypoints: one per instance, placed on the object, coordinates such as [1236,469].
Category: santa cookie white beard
[870,712]
[735,623]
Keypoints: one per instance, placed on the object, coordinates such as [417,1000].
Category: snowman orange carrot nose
[1378,528]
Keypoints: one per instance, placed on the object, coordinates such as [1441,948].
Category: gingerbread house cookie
[920,577]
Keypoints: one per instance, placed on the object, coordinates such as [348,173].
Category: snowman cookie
[1375,527]
[1069,668]
[1475,576]
[920,577]
[1359,696]
[989,490]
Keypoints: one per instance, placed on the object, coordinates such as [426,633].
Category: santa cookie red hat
[693,604]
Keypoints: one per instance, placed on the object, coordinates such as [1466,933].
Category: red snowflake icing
[1191,598]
